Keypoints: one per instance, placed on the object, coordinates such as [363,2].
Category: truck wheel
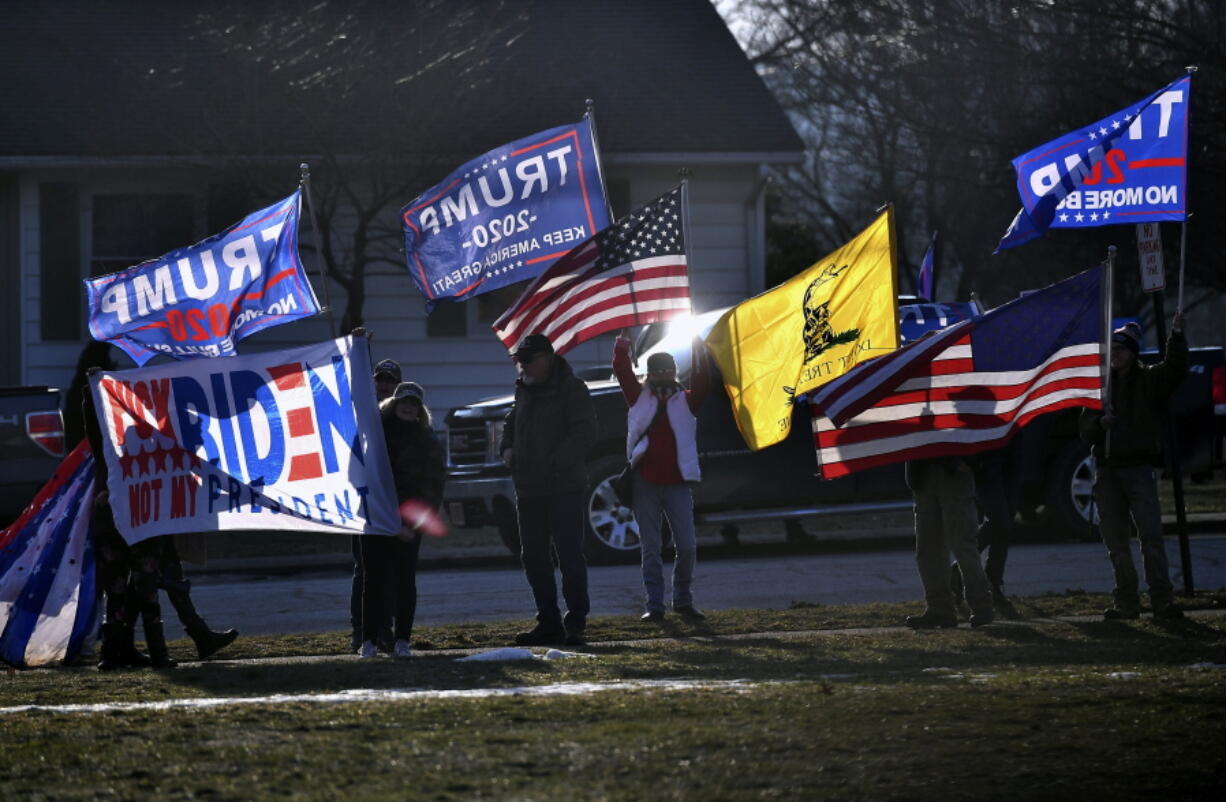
[612,534]
[1070,491]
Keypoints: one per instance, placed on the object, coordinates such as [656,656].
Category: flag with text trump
[281,440]
[1129,167]
[631,273]
[967,388]
[506,215]
[199,301]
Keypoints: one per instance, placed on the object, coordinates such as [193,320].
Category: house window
[491,305]
[456,319]
[124,230]
[129,229]
[59,270]
[448,320]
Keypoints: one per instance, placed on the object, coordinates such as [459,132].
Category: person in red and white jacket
[661,446]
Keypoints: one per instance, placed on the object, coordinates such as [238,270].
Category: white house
[125,129]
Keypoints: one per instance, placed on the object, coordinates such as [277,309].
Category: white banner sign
[284,440]
[1149,249]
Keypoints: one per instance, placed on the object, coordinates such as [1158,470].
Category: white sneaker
[368,650]
[402,649]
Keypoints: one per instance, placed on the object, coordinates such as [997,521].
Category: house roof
[156,79]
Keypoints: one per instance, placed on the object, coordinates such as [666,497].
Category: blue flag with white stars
[1129,167]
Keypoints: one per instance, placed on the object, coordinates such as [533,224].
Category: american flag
[632,272]
[48,600]
[969,387]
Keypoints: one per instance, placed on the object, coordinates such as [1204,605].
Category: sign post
[1153,280]
[1149,251]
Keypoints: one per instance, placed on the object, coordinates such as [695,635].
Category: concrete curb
[437,556]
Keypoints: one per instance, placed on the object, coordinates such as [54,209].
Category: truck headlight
[493,436]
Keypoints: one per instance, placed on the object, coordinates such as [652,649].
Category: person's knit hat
[389,367]
[532,346]
[660,362]
[409,390]
[1129,336]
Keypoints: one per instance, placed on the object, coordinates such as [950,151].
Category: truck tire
[1069,496]
[611,534]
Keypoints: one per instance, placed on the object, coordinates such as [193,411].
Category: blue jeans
[555,520]
[677,503]
[1127,496]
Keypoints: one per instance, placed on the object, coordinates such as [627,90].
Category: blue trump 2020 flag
[1129,167]
[505,216]
[198,301]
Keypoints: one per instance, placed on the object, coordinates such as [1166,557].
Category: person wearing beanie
[387,376]
[662,448]
[389,589]
[1126,441]
[545,441]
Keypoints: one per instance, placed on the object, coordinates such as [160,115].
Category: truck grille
[467,443]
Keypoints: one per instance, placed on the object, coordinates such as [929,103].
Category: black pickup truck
[31,444]
[779,482]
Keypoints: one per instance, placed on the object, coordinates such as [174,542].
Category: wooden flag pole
[304,181]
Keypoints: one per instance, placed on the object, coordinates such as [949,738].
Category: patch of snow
[397,695]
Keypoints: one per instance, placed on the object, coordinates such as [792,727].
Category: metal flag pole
[684,174]
[1172,448]
[1109,283]
[590,116]
[304,181]
[1183,236]
[1183,260]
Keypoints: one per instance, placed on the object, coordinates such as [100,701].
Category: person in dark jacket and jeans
[418,471]
[547,434]
[1126,440]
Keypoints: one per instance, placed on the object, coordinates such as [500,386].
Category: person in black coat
[547,435]
[418,472]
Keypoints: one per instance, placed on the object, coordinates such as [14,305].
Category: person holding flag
[661,447]
[1126,441]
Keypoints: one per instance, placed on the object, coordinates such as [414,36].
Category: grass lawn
[1038,709]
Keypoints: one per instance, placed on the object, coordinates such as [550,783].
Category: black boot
[155,639]
[113,637]
[208,642]
[128,653]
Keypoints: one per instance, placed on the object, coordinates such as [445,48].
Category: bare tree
[376,95]
[925,103]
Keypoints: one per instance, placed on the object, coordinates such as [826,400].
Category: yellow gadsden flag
[808,330]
